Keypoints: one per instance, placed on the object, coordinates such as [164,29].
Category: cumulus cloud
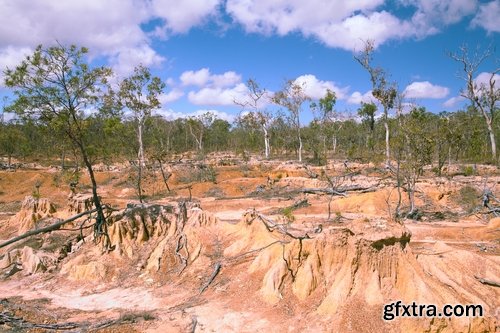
[219,95]
[171,96]
[10,57]
[181,16]
[110,28]
[487,17]
[431,15]
[453,101]
[172,115]
[483,79]
[195,78]
[343,24]
[203,77]
[425,89]
[317,89]
[358,98]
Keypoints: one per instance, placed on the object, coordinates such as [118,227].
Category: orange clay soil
[250,252]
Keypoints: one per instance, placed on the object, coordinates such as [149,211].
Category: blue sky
[206,49]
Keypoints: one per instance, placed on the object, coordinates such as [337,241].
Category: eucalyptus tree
[257,97]
[140,94]
[292,97]
[198,126]
[325,119]
[483,96]
[383,90]
[367,113]
[57,87]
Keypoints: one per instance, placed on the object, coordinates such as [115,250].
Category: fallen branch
[488,282]
[216,271]
[322,191]
[45,229]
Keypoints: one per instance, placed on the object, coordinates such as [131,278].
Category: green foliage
[199,174]
[287,212]
[468,198]
[468,170]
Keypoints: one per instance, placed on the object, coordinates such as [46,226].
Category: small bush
[198,174]
[288,213]
[468,170]
[467,197]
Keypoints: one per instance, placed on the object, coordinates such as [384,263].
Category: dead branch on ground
[216,271]
[49,228]
[487,282]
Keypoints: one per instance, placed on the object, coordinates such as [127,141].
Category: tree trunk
[492,141]
[334,143]
[140,154]
[100,225]
[266,141]
[165,178]
[300,148]
[63,157]
[387,147]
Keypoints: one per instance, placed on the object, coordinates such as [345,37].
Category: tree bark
[45,229]
[266,141]
[100,225]
[492,141]
[140,154]
[387,146]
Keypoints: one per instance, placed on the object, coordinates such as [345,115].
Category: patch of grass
[215,192]
[287,212]
[467,197]
[198,174]
[468,170]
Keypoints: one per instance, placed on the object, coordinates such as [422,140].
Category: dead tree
[484,97]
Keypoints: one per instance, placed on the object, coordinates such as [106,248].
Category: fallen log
[46,229]
[322,191]
[216,271]
[488,282]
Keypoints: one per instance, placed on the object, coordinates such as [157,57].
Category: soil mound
[153,239]
[32,210]
[350,272]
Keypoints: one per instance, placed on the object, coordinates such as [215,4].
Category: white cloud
[172,115]
[425,89]
[431,15]
[483,79]
[10,57]
[171,96]
[181,16]
[453,101]
[110,28]
[358,98]
[218,95]
[343,24]
[317,89]
[203,77]
[125,60]
[195,78]
[488,16]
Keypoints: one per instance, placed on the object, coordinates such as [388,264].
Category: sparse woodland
[111,135]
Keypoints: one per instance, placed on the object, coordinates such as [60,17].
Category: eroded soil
[251,252]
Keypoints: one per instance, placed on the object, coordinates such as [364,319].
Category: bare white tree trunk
[266,141]
[300,148]
[492,140]
[387,146]
[140,154]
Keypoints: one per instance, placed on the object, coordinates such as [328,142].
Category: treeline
[452,137]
